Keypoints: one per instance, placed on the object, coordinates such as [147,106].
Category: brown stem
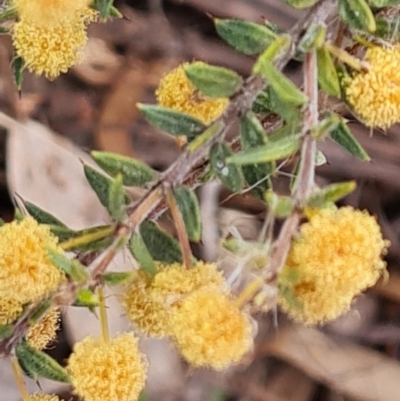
[306,176]
[180,227]
[282,246]
[305,180]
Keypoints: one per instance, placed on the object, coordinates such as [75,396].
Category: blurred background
[47,132]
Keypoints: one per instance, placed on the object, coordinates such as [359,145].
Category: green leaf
[116,205]
[162,247]
[272,151]
[63,233]
[320,158]
[41,216]
[287,130]
[246,37]
[59,260]
[273,52]
[104,7]
[259,174]
[101,185]
[313,38]
[8,13]
[93,246]
[141,254]
[84,240]
[330,194]
[280,206]
[383,3]
[230,175]
[40,311]
[114,12]
[268,101]
[328,79]
[171,121]
[6,330]
[345,138]
[326,126]
[86,298]
[300,4]
[32,375]
[261,103]
[214,129]
[40,364]
[18,66]
[117,278]
[70,267]
[252,135]
[190,210]
[357,14]
[134,173]
[290,113]
[282,85]
[387,28]
[213,81]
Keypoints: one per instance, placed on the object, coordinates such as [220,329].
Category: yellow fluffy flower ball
[41,334]
[43,397]
[48,12]
[52,49]
[111,370]
[375,94]
[210,330]
[337,255]
[172,282]
[10,309]
[147,313]
[26,273]
[148,300]
[178,93]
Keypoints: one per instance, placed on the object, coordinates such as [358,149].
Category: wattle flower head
[337,255]
[26,273]
[111,370]
[375,94]
[210,331]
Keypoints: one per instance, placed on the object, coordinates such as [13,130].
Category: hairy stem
[180,227]
[103,314]
[306,173]
[306,177]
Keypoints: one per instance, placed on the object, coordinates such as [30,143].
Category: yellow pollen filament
[375,94]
